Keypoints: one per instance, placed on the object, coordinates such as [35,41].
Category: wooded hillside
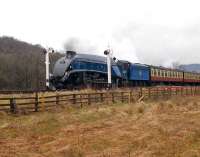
[22,65]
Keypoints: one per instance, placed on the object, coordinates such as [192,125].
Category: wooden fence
[39,101]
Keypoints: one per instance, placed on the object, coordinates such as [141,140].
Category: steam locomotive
[83,70]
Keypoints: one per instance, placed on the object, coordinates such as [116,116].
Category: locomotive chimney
[70,54]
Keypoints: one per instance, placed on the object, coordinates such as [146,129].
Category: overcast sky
[147,31]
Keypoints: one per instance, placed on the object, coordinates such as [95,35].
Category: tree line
[22,65]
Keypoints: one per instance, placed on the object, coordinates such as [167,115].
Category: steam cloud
[79,45]
[164,46]
[152,44]
[123,49]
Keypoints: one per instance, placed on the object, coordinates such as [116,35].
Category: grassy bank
[147,129]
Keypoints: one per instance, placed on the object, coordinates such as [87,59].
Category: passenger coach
[166,76]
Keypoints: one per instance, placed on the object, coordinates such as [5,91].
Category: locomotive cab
[124,69]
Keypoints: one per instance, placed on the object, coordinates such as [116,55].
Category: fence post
[36,102]
[74,98]
[81,100]
[122,97]
[130,97]
[170,91]
[157,93]
[163,92]
[57,99]
[149,92]
[101,96]
[113,98]
[13,106]
[89,99]
[176,91]
[181,91]
[141,92]
[191,91]
[186,91]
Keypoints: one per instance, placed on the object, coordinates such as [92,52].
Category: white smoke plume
[148,44]
[159,45]
[122,49]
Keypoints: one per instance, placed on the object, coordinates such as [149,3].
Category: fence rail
[37,101]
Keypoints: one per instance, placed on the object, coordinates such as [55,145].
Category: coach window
[165,73]
[155,72]
[161,73]
[152,72]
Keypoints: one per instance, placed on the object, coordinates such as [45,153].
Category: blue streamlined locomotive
[82,70]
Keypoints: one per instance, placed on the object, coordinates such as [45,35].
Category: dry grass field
[162,128]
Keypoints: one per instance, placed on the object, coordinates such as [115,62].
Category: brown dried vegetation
[168,128]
